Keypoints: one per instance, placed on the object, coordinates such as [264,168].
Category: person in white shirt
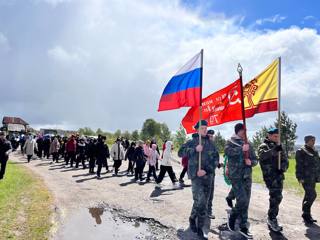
[117,153]
[166,165]
[29,147]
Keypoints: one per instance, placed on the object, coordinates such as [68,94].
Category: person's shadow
[157,192]
[132,181]
[187,234]
[313,231]
[277,236]
[88,179]
[82,175]
[57,167]
[96,213]
[71,169]
[43,164]
[225,234]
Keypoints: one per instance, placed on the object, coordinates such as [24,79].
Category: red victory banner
[219,107]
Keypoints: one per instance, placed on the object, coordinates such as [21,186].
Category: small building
[14,125]
[60,132]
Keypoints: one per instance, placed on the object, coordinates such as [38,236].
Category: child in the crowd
[166,165]
[152,161]
[130,157]
[140,161]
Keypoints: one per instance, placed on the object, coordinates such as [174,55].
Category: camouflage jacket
[236,165]
[268,159]
[308,164]
[209,155]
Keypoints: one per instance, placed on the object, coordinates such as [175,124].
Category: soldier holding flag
[240,174]
[202,178]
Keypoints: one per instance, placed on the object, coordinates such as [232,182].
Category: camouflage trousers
[201,192]
[231,195]
[309,196]
[275,187]
[211,197]
[241,189]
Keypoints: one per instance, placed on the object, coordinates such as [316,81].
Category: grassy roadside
[25,205]
[290,182]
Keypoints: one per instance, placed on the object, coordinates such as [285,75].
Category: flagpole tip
[239,68]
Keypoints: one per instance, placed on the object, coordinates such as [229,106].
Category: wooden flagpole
[200,107]
[240,69]
[279,110]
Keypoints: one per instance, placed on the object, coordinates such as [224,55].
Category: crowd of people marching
[240,158]
[94,154]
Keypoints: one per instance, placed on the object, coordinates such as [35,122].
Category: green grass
[25,205]
[290,182]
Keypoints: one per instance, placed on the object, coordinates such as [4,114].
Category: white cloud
[61,55]
[309,17]
[4,43]
[306,117]
[53,3]
[274,19]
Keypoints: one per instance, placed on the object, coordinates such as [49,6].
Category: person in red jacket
[71,148]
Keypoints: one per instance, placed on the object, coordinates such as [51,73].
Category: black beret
[203,123]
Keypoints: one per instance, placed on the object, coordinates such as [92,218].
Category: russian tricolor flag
[184,88]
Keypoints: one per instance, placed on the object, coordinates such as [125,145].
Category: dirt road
[85,206]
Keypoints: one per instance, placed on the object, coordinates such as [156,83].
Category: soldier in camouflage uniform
[240,175]
[307,173]
[273,176]
[201,179]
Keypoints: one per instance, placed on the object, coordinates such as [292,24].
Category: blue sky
[105,63]
[273,14]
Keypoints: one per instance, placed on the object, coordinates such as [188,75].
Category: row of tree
[288,134]
[152,129]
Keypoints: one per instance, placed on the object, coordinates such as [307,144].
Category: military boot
[202,231]
[246,233]
[202,234]
[193,225]
[273,225]
[231,222]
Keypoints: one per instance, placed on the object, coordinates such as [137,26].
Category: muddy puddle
[103,222]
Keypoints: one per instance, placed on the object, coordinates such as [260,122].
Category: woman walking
[54,149]
[166,165]
[29,147]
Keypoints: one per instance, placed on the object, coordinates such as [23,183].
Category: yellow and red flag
[261,93]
